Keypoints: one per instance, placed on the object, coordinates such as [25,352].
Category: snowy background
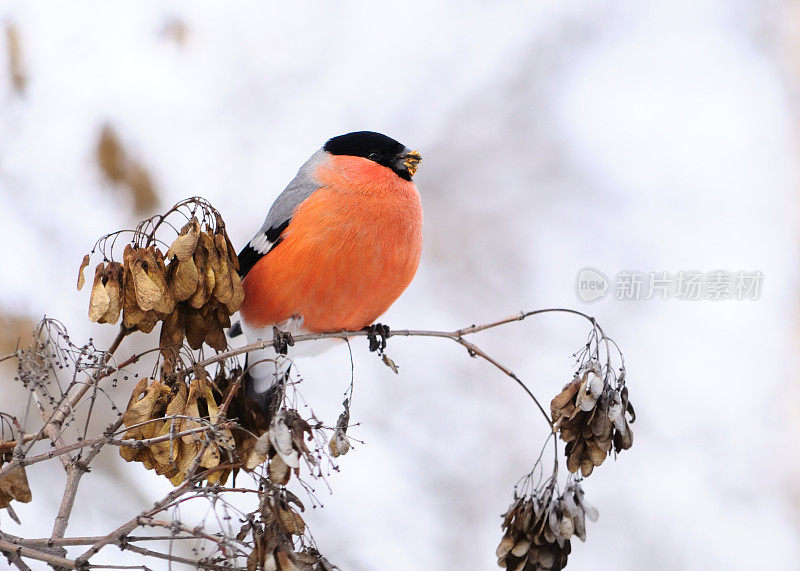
[653,136]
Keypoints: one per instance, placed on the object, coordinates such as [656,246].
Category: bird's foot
[377,334]
[281,341]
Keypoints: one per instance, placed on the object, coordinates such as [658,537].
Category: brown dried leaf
[81,278]
[596,454]
[255,451]
[148,294]
[391,364]
[215,334]
[238,292]
[113,286]
[564,397]
[192,410]
[165,453]
[219,476]
[146,397]
[148,322]
[281,437]
[189,452]
[505,546]
[110,154]
[16,69]
[14,486]
[279,472]
[575,455]
[99,301]
[185,244]
[339,445]
[196,326]
[131,314]
[211,457]
[203,293]
[172,332]
[284,561]
[183,279]
[291,521]
[222,316]
[156,271]
[623,439]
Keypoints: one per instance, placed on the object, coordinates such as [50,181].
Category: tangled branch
[196,427]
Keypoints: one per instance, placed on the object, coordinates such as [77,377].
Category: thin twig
[77,468]
[133,523]
[178,559]
[16,548]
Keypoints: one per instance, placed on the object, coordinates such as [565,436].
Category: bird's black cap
[373,146]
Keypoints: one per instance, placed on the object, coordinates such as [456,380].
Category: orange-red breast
[338,246]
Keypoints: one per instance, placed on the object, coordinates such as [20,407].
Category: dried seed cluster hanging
[273,530]
[590,416]
[156,410]
[284,444]
[193,290]
[537,530]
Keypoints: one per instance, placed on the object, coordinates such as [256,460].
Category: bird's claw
[377,334]
[281,341]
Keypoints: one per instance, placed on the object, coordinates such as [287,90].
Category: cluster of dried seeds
[537,530]
[157,410]
[284,444]
[273,531]
[590,415]
[193,290]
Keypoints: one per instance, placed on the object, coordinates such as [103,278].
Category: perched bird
[338,247]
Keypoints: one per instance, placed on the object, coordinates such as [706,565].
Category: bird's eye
[374,156]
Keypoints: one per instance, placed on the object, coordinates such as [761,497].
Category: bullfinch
[337,248]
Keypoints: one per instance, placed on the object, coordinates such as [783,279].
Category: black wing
[261,245]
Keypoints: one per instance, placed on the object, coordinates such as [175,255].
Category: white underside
[265,365]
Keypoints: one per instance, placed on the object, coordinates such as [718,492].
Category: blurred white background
[654,136]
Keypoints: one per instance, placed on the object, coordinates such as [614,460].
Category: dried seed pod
[195,325]
[279,471]
[172,332]
[148,294]
[81,278]
[215,335]
[280,436]
[132,315]
[566,396]
[99,301]
[113,287]
[185,244]
[291,521]
[202,294]
[143,402]
[183,279]
[339,445]
[223,316]
[233,255]
[14,486]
